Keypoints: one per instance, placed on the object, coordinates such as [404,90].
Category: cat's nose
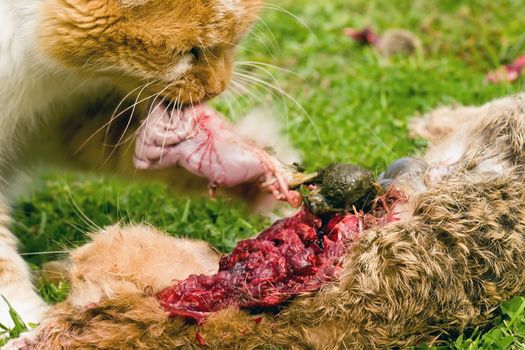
[214,91]
[220,76]
[216,85]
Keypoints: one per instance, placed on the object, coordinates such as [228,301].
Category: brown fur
[442,269]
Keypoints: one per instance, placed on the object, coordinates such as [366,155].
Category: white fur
[18,290]
[32,86]
[180,68]
[230,5]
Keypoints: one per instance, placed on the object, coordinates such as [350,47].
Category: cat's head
[182,49]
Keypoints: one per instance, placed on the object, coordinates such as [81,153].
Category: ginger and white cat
[65,66]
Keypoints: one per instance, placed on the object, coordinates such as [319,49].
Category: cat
[68,66]
[454,255]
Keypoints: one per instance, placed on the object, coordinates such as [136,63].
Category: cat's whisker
[85,219]
[166,132]
[111,120]
[281,9]
[122,100]
[113,117]
[283,101]
[385,146]
[277,83]
[237,90]
[175,103]
[114,148]
[237,46]
[230,101]
[249,92]
[51,252]
[257,64]
[262,66]
[257,89]
[206,58]
[267,27]
[267,47]
[79,228]
[153,104]
[145,122]
[271,87]
[260,94]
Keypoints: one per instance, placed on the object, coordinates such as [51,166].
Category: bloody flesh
[365,36]
[293,256]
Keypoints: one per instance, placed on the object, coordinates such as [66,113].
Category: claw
[299,179]
[212,189]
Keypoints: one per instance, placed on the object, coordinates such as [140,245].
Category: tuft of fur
[445,267]
[121,266]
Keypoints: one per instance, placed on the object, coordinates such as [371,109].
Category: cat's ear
[133,3]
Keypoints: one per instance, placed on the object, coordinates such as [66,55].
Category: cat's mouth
[170,113]
[170,106]
[167,125]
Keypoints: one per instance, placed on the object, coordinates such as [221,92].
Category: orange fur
[96,276]
[147,40]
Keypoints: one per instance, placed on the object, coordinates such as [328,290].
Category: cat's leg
[15,278]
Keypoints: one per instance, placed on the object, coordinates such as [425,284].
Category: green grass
[355,107]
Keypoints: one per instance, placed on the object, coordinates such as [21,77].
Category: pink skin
[201,141]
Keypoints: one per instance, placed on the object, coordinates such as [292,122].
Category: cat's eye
[195,52]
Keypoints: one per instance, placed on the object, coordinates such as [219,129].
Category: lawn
[338,102]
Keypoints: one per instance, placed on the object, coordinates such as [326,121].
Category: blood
[207,146]
[509,72]
[365,36]
[200,340]
[295,255]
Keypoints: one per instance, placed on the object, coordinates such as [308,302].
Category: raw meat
[294,256]
[201,141]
